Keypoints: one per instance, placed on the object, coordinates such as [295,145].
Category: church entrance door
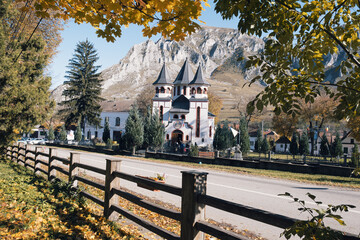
[177,136]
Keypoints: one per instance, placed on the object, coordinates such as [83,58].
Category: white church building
[183,106]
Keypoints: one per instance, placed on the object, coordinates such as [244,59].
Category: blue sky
[112,53]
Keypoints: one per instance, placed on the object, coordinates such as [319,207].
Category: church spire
[185,75]
[199,79]
[163,77]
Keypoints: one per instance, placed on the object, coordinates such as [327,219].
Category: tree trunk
[133,150]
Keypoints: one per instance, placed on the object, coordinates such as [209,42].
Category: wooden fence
[193,195]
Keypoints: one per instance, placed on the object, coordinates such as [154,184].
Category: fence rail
[193,195]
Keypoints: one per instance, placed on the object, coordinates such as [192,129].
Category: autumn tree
[83,87]
[215,105]
[285,124]
[24,96]
[300,34]
[174,19]
[144,99]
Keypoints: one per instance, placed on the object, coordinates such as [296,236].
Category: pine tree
[258,141]
[304,144]
[78,133]
[51,135]
[244,137]
[106,133]
[153,130]
[336,147]
[134,129]
[355,156]
[294,149]
[265,146]
[83,87]
[324,149]
[223,137]
[63,134]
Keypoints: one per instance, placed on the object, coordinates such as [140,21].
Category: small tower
[163,90]
[182,80]
[199,86]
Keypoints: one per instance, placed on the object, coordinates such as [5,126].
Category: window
[117,121]
[182,117]
[193,91]
[184,90]
[210,131]
[198,90]
[96,134]
[197,131]
[187,137]
[178,90]
[176,116]
[161,113]
[168,90]
[346,150]
[89,134]
[352,141]
[157,90]
[162,90]
[205,91]
[167,136]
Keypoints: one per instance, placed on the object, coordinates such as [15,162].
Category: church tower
[182,81]
[163,91]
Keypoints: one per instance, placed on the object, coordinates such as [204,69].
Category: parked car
[23,140]
[37,141]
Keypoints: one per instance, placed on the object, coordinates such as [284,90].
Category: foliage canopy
[300,33]
[174,19]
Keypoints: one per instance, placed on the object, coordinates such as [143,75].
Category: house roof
[185,75]
[199,79]
[116,106]
[181,104]
[211,114]
[163,77]
[283,139]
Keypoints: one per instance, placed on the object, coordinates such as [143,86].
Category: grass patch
[32,208]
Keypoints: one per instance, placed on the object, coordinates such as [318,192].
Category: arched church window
[187,137]
[193,91]
[117,121]
[161,113]
[157,90]
[182,116]
[184,90]
[205,90]
[178,92]
[167,136]
[198,90]
[197,133]
[210,131]
[176,116]
[162,90]
[168,90]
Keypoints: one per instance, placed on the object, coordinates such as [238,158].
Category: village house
[183,106]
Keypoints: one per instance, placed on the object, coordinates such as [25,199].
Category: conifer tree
[223,137]
[153,130]
[304,144]
[51,135]
[244,137]
[78,133]
[83,87]
[134,129]
[106,133]
[294,149]
[63,134]
[355,156]
[265,146]
[258,141]
[324,149]
[336,147]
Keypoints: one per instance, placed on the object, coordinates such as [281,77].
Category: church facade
[183,106]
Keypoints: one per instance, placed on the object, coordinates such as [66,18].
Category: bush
[109,143]
[194,150]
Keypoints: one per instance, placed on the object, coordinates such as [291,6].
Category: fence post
[18,153]
[193,184]
[52,152]
[111,182]
[73,170]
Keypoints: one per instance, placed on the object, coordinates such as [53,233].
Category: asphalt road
[257,192]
